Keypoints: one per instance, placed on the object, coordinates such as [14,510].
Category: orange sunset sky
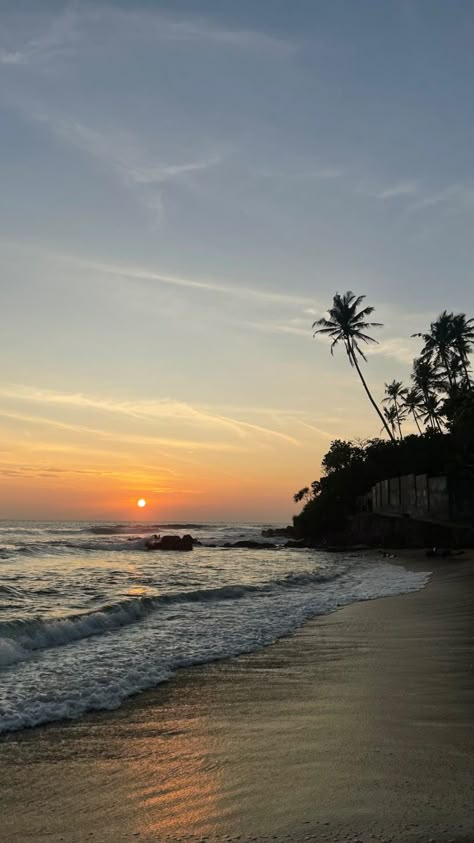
[181,197]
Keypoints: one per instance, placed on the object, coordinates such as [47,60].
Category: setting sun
[141,503]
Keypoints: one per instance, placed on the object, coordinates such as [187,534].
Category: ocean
[89,617]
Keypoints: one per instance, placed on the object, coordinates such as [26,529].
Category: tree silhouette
[426,376]
[463,341]
[431,412]
[439,343]
[391,418]
[349,325]
[395,392]
[413,402]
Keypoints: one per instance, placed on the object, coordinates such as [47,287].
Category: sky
[185,185]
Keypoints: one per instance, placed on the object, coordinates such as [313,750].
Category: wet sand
[359,727]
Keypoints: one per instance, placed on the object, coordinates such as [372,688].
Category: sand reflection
[174,783]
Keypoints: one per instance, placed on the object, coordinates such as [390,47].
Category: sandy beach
[357,727]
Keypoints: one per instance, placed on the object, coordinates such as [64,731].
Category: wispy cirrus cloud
[399,189]
[28,41]
[122,153]
[308,173]
[401,349]
[147,275]
[275,326]
[197,29]
[33,39]
[453,197]
[126,438]
[150,410]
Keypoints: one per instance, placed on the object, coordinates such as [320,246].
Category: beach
[358,726]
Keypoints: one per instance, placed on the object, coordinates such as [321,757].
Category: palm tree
[432,411]
[463,341]
[413,402]
[395,392]
[391,418]
[425,376]
[458,372]
[439,343]
[348,325]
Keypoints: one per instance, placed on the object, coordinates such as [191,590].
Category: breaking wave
[100,673]
[18,638]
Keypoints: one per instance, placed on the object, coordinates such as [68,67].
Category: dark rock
[170,543]
[274,532]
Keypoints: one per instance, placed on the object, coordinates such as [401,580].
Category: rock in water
[172,543]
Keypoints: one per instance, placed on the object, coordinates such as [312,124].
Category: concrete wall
[388,531]
[439,498]
[416,496]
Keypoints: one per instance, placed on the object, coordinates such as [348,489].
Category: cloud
[282,328]
[458,197]
[134,273]
[88,24]
[121,151]
[175,411]
[306,174]
[209,286]
[193,29]
[129,439]
[297,326]
[57,38]
[398,348]
[401,349]
[402,188]
[156,174]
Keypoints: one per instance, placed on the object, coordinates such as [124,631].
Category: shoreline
[360,722]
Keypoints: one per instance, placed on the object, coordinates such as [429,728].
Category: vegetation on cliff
[440,401]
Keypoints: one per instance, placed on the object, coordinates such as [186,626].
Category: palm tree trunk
[416,422]
[353,359]
[398,420]
[438,423]
[466,373]
[448,370]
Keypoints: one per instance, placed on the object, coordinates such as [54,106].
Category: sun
[141,503]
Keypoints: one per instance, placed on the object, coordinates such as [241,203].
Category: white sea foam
[22,636]
[11,652]
[99,672]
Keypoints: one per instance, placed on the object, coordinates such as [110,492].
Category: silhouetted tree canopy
[441,403]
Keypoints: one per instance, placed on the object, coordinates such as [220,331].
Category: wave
[120,529]
[9,589]
[103,673]
[117,529]
[58,546]
[19,638]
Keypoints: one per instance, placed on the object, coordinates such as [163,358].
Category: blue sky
[184,187]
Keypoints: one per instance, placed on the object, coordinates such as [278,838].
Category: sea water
[89,616]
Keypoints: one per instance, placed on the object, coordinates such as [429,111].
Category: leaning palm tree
[413,401]
[463,341]
[395,393]
[348,325]
[439,343]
